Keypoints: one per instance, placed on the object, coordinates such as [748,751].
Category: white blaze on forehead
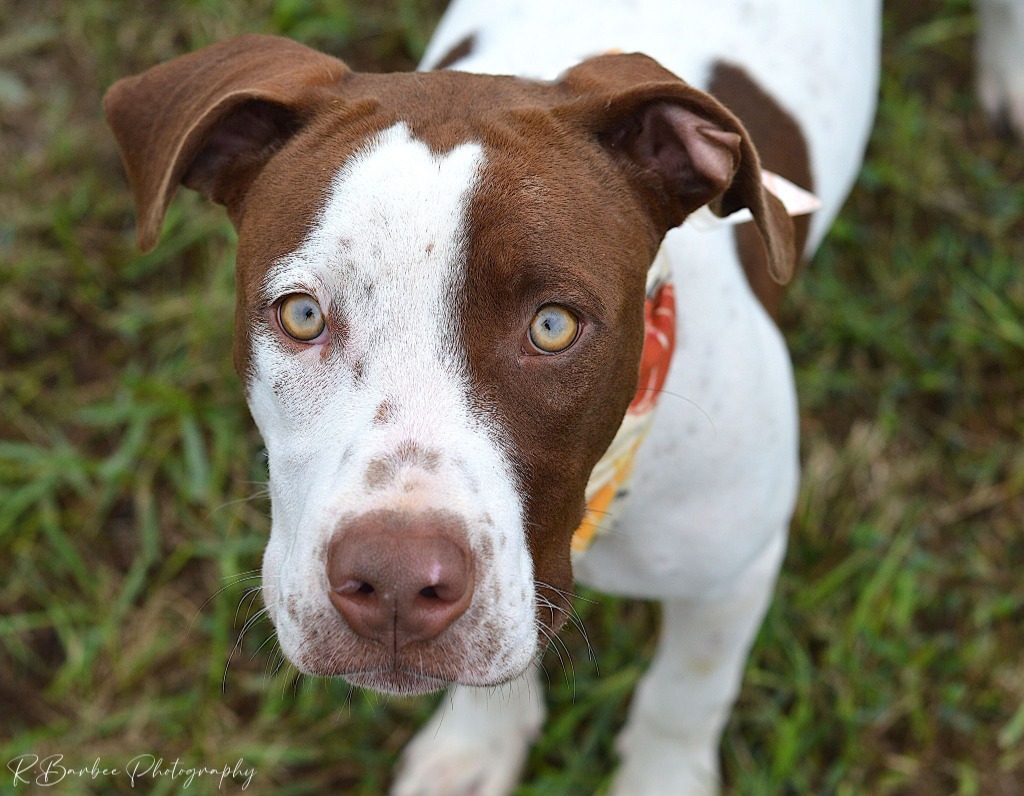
[394,222]
[386,257]
[386,260]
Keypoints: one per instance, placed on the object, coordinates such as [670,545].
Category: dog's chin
[397,682]
[404,682]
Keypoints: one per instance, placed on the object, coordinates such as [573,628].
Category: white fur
[387,257]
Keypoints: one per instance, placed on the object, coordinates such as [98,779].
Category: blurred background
[132,505]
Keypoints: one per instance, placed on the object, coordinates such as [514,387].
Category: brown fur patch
[553,220]
[385,411]
[783,149]
[461,49]
[382,471]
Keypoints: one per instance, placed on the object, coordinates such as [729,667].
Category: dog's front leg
[670,742]
[1000,56]
[476,742]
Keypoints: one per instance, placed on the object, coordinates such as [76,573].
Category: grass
[132,514]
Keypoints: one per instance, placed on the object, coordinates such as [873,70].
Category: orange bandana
[609,479]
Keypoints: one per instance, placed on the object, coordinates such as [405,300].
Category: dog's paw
[1001,94]
[1003,101]
[473,746]
[458,768]
[1000,64]
[654,764]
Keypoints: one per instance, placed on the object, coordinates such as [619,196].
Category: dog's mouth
[407,680]
[477,651]
[400,675]
[397,681]
[423,669]
[397,673]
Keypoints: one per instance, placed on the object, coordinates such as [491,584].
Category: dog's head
[439,322]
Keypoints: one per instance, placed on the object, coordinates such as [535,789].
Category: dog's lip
[401,680]
[406,681]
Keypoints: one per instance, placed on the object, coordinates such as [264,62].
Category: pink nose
[397,578]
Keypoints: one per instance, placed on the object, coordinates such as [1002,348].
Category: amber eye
[553,328]
[301,317]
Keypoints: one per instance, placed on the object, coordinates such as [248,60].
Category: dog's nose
[398,578]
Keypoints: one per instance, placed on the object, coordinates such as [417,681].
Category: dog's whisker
[546,673]
[272,661]
[251,594]
[574,617]
[567,594]
[227,665]
[282,660]
[346,703]
[254,593]
[576,621]
[234,581]
[538,658]
[237,645]
[268,639]
[259,494]
[551,634]
[247,575]
[553,638]
[690,401]
[556,641]
[249,622]
[553,643]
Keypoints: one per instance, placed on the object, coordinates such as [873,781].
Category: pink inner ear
[684,147]
[716,155]
[240,139]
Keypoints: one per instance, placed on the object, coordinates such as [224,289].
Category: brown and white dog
[442,282]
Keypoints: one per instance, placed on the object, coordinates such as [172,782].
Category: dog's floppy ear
[679,147]
[210,120]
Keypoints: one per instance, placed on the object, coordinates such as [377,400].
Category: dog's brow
[290,276]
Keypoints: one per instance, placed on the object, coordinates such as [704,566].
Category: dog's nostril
[430,592]
[354,587]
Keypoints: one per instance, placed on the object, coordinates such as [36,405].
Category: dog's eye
[301,317]
[553,329]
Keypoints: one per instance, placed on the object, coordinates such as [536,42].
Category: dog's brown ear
[680,148]
[210,120]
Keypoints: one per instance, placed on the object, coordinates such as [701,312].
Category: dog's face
[439,324]
[431,268]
